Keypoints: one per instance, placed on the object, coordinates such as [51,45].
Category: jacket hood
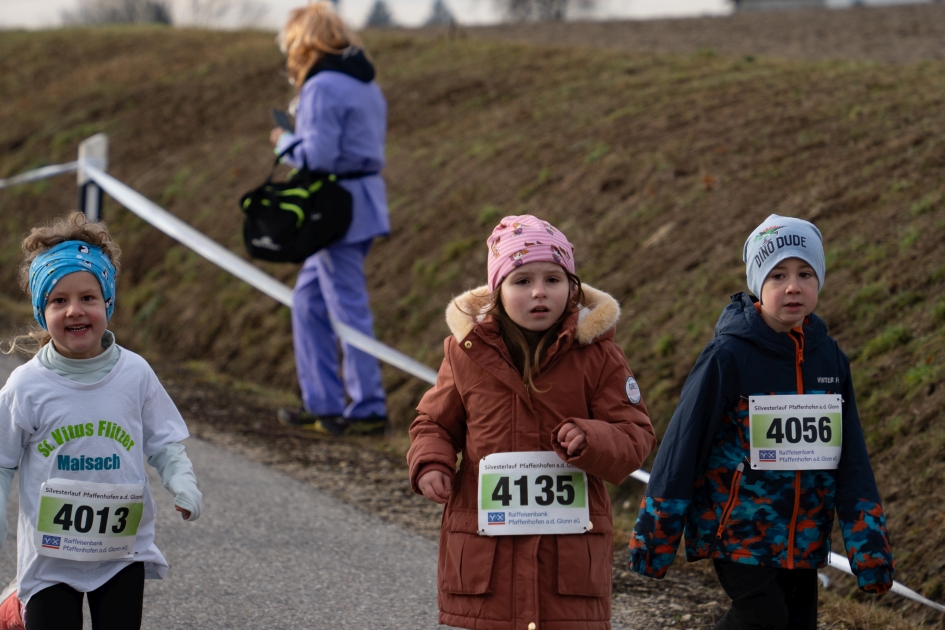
[599,315]
[352,62]
[742,319]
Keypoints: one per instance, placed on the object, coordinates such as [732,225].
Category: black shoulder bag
[290,221]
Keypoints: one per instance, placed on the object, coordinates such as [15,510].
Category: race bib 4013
[80,520]
[797,432]
[531,493]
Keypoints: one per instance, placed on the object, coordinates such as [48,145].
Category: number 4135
[564,488]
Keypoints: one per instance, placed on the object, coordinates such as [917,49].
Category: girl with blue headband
[78,421]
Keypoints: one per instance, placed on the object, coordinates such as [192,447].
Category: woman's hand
[436,485]
[275,134]
[185,514]
[573,438]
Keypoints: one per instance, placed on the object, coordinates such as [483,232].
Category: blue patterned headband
[54,264]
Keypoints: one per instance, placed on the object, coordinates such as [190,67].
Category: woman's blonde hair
[75,227]
[312,32]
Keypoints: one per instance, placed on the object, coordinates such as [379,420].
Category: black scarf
[352,61]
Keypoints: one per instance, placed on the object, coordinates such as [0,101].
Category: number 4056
[796,429]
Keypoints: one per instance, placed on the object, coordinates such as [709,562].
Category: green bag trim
[297,210]
[315,187]
[294,192]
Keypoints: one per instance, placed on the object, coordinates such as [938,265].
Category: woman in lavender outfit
[340,127]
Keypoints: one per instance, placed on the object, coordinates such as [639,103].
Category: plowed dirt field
[894,35]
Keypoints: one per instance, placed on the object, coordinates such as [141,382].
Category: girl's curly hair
[75,227]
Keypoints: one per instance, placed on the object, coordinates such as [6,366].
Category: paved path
[272,552]
[7,365]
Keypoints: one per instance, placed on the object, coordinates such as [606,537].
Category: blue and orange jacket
[702,480]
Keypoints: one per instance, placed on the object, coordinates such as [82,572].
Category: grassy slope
[656,167]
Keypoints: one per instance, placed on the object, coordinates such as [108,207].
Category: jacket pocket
[585,564]
[732,499]
[467,565]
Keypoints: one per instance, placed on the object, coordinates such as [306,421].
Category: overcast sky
[46,13]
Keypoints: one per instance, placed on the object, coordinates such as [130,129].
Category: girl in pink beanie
[540,402]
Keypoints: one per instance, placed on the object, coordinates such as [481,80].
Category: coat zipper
[799,360]
[732,497]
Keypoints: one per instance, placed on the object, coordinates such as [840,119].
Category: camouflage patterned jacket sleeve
[710,389]
[858,506]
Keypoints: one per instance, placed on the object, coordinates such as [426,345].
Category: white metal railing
[244,270]
[40,173]
[93,159]
[92,170]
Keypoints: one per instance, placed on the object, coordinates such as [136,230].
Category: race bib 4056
[798,432]
[86,521]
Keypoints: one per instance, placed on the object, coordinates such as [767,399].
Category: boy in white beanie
[765,447]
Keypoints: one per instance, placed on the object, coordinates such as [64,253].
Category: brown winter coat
[478,407]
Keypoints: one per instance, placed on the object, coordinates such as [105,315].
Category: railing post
[92,151]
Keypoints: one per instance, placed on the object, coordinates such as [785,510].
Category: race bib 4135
[531,493]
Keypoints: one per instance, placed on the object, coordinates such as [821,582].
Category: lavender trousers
[332,281]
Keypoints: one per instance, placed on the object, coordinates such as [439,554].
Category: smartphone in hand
[282,120]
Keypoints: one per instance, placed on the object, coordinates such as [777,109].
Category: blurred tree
[440,14]
[202,12]
[119,12]
[540,10]
[380,16]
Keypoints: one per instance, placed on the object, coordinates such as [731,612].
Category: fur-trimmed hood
[599,315]
[481,405]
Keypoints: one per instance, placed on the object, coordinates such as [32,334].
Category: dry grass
[840,613]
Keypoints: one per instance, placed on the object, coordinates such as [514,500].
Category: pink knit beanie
[522,239]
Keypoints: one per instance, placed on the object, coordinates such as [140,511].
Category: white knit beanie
[777,239]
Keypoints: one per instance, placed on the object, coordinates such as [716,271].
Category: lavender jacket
[340,127]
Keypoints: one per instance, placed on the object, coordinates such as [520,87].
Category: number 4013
[794,430]
[85,519]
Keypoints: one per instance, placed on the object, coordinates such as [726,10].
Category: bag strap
[320,174]
[279,157]
[357,174]
[352,175]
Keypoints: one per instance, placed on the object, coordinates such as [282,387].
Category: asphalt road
[272,552]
